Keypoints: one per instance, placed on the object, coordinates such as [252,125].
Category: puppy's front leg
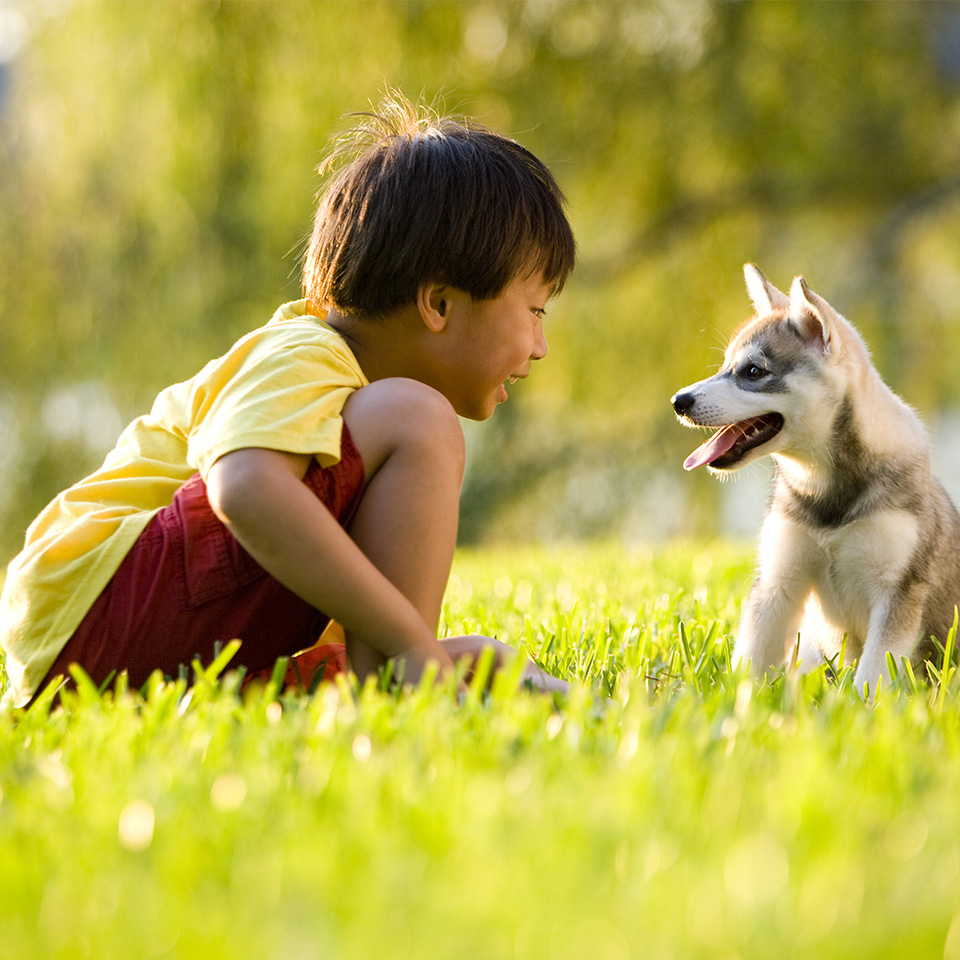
[768,628]
[771,619]
[895,622]
[881,553]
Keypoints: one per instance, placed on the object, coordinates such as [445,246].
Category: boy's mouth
[730,444]
[503,387]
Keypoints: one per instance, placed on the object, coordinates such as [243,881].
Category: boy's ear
[433,302]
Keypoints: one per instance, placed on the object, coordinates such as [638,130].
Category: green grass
[668,809]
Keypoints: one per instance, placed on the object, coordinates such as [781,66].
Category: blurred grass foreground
[669,808]
[157,179]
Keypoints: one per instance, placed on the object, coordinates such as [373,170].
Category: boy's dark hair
[420,198]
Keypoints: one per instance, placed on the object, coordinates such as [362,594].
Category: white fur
[822,585]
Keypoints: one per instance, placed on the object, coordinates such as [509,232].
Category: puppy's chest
[856,566]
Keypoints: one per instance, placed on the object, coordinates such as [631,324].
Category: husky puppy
[859,539]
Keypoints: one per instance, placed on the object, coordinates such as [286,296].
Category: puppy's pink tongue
[715,447]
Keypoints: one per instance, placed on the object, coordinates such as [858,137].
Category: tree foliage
[157,178]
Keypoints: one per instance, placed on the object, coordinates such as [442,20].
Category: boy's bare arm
[260,497]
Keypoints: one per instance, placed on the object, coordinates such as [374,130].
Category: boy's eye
[539,312]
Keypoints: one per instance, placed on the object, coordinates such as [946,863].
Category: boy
[313,472]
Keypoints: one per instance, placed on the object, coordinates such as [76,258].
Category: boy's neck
[384,346]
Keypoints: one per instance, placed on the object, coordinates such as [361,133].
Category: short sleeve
[284,390]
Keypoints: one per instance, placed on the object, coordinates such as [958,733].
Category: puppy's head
[767,389]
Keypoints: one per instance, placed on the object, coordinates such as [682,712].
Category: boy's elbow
[228,488]
[241,483]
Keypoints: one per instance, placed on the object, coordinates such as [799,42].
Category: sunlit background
[157,174]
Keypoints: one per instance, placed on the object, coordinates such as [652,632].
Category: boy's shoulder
[293,340]
[296,320]
[295,325]
[298,310]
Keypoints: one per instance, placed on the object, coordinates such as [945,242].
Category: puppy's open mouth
[730,444]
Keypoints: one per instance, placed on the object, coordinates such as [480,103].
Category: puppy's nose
[682,402]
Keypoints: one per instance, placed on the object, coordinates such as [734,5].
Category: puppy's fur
[860,539]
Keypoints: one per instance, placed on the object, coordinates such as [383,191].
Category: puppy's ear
[764,296]
[811,316]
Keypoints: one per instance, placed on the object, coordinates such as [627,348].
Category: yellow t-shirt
[281,387]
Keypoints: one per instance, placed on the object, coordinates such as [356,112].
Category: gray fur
[860,483]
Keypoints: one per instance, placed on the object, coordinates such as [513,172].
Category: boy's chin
[477,412]
[477,417]
[487,414]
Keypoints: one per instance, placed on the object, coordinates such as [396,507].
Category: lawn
[668,809]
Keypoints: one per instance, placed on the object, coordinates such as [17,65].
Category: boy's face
[488,344]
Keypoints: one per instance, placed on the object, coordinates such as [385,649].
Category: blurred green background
[157,175]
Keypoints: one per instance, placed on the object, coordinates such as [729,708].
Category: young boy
[313,472]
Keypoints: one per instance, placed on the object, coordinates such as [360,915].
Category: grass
[668,809]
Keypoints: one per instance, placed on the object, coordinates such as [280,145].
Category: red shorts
[187,587]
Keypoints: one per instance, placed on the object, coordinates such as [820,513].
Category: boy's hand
[474,645]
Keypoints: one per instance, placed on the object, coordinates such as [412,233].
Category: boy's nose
[540,346]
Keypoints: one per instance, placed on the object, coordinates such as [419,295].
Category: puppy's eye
[754,372]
